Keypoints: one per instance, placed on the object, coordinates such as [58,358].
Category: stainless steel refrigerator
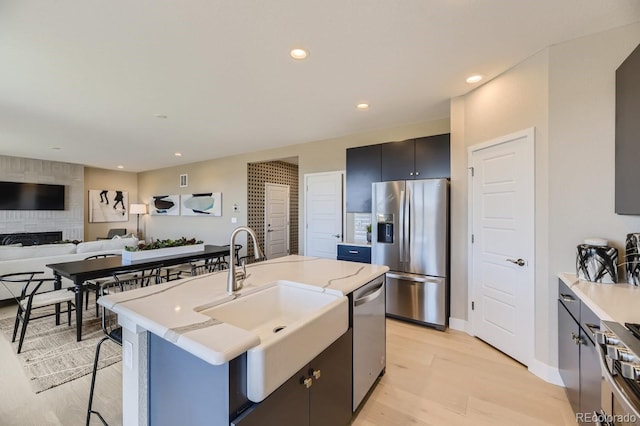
[410,235]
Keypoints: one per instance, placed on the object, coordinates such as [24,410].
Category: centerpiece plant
[158,244]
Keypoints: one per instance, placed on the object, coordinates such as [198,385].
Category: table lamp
[138,209]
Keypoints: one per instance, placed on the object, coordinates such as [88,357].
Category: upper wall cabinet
[628,134]
[422,158]
[363,168]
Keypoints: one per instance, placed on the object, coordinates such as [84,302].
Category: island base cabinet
[319,394]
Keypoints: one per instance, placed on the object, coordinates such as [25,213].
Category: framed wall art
[202,204]
[106,205]
[164,205]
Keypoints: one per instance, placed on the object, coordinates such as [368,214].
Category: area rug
[50,354]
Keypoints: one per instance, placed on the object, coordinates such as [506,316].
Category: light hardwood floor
[432,378]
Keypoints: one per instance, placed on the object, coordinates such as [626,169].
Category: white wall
[582,149]
[229,176]
[567,93]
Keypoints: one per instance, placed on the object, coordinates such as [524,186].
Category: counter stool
[122,281]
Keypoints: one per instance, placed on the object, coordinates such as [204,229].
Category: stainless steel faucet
[234,279]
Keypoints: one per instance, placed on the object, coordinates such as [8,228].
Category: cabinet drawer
[354,253]
[569,299]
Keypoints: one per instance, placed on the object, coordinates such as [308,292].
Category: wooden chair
[122,281]
[30,298]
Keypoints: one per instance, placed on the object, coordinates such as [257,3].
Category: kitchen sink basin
[295,322]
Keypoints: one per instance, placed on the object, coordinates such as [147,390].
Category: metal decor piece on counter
[632,258]
[597,264]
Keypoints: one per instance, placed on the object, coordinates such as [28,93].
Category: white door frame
[287,215]
[306,203]
[529,134]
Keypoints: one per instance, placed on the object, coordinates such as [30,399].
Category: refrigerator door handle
[404,277]
[407,229]
[402,234]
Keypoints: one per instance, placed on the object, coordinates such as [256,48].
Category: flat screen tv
[31,196]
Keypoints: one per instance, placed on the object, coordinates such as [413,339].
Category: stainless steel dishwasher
[369,337]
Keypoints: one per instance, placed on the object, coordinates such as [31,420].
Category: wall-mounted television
[31,196]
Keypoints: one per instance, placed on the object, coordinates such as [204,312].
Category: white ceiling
[89,77]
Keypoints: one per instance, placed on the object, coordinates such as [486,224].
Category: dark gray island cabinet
[183,389]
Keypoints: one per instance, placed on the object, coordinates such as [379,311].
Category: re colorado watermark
[601,418]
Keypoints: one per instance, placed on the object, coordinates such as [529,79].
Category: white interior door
[502,246]
[276,220]
[323,213]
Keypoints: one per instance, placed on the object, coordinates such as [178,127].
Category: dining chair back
[94,285]
[25,288]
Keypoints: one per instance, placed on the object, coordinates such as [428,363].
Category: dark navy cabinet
[319,394]
[422,158]
[354,253]
[578,361]
[363,168]
[628,134]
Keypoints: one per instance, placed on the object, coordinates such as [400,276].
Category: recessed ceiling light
[161,116]
[474,79]
[178,154]
[298,53]
[120,166]
[362,106]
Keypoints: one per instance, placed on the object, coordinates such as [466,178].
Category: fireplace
[31,238]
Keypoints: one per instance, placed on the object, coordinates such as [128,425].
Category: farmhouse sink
[295,322]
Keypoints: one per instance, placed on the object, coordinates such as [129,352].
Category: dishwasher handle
[370,295]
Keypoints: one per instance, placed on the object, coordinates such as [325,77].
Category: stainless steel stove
[619,347]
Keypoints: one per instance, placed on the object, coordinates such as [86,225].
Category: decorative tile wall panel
[271,172]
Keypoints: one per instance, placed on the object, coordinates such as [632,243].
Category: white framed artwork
[201,204]
[164,205]
[107,205]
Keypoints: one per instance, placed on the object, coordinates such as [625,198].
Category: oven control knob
[629,370]
[606,338]
[619,353]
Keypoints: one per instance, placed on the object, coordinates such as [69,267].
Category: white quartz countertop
[359,244]
[610,302]
[170,310]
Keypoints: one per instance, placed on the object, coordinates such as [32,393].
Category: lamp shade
[137,208]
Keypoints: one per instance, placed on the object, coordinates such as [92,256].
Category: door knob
[337,235]
[519,262]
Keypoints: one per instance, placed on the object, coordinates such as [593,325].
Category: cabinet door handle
[308,382]
[417,173]
[567,298]
[316,374]
[354,251]
[411,174]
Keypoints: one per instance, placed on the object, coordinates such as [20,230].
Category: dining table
[81,271]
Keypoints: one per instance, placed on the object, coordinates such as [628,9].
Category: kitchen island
[169,325]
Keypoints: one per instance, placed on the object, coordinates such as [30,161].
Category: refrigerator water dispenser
[385,228]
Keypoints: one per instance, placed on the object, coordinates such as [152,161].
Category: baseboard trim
[546,372]
[458,324]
